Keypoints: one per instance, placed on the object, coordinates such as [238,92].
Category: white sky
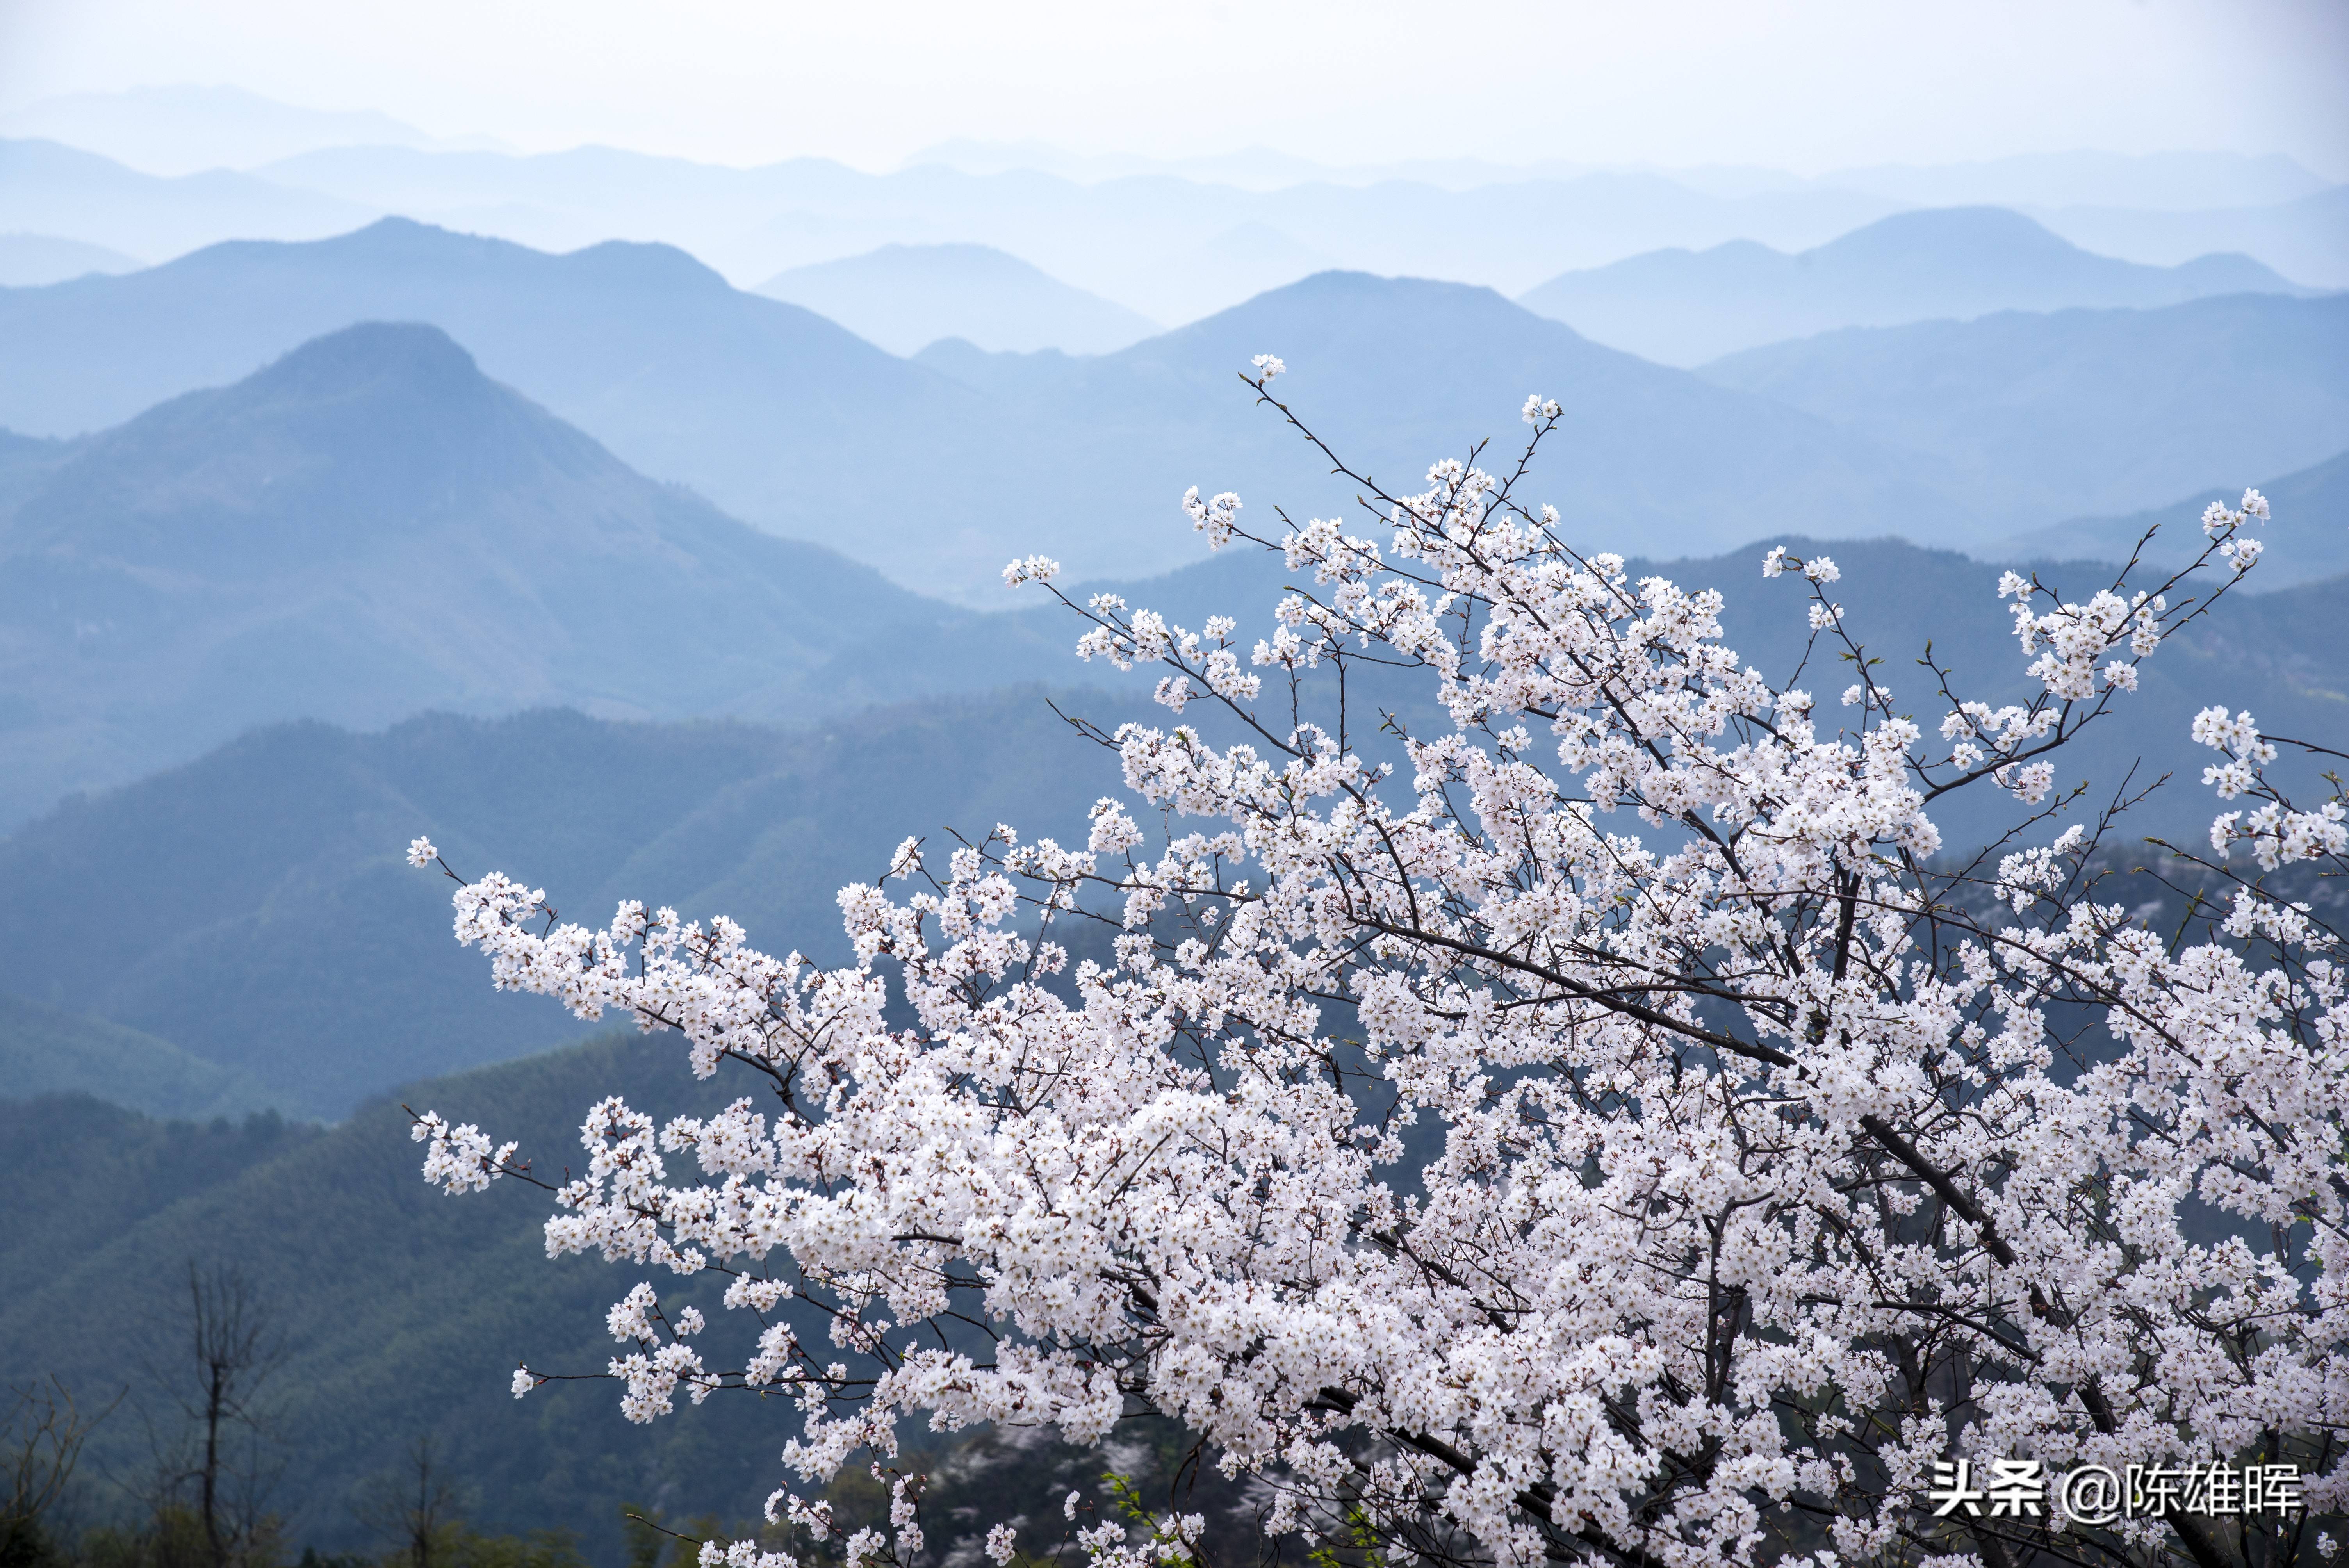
[1803,87]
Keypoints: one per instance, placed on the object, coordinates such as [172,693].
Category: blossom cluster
[1465,1164]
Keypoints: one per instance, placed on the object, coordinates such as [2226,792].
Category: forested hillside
[402,1316]
[277,933]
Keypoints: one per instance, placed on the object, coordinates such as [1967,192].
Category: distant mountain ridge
[2080,412]
[27,261]
[905,297]
[183,129]
[796,425]
[937,471]
[48,188]
[2306,540]
[2305,237]
[1682,307]
[276,931]
[1151,240]
[46,1050]
[1399,373]
[771,411]
[368,527]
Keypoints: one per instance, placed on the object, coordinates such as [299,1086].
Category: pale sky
[1802,86]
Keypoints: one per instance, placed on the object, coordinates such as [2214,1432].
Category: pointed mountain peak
[411,354]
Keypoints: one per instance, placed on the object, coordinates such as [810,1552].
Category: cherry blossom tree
[1607,1124]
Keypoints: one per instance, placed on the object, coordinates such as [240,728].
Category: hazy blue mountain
[2153,182]
[47,188]
[1684,307]
[792,423]
[29,260]
[46,1050]
[273,929]
[1175,249]
[2307,539]
[26,464]
[2306,237]
[776,414]
[269,924]
[906,296]
[2081,411]
[938,471]
[180,128]
[1396,374]
[369,526]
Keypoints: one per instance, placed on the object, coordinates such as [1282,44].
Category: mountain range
[905,297]
[776,414]
[256,912]
[29,260]
[2306,540]
[1177,243]
[48,1050]
[369,526]
[938,470]
[1160,245]
[1158,239]
[269,927]
[47,188]
[2080,411]
[181,127]
[2305,237]
[1684,307]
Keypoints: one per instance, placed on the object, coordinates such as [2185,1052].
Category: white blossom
[1455,1160]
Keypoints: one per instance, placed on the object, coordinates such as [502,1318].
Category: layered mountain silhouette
[1395,375]
[774,413]
[277,933]
[29,260]
[792,423]
[270,927]
[2305,237]
[1684,307]
[182,128]
[2306,540]
[48,1050]
[48,188]
[905,297]
[1176,248]
[2081,411]
[938,470]
[369,526]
